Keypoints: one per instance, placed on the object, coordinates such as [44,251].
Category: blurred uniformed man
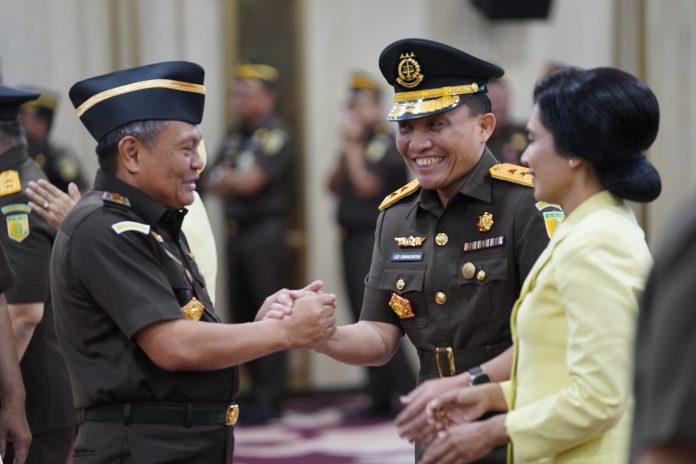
[508,140]
[153,367]
[452,247]
[59,163]
[253,175]
[27,239]
[13,420]
[368,169]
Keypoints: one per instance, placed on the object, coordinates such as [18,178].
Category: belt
[183,414]
[446,361]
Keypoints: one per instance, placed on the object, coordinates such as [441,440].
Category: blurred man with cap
[153,367]
[254,176]
[59,163]
[368,169]
[452,247]
[27,239]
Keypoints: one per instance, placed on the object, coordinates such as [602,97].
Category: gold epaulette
[512,173]
[397,195]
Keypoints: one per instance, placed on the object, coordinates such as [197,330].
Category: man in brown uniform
[27,239]
[453,247]
[153,367]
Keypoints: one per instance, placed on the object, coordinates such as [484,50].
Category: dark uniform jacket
[357,213]
[7,277]
[461,282]
[268,145]
[120,264]
[27,240]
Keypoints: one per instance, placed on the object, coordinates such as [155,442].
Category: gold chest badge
[485,222]
[409,71]
[401,306]
[193,310]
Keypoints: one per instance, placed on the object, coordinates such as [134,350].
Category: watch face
[480,378]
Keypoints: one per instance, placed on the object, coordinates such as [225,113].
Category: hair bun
[638,181]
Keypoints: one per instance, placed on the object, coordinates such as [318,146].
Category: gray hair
[145,131]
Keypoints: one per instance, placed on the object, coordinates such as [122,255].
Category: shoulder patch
[397,195]
[116,198]
[9,182]
[512,173]
[126,226]
[376,148]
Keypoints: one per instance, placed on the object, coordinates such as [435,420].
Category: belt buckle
[450,360]
[232,414]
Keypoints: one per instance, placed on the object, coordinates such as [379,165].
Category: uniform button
[440,298]
[441,239]
[481,275]
[468,270]
[400,284]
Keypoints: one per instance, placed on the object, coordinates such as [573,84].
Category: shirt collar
[14,156]
[477,185]
[599,200]
[145,207]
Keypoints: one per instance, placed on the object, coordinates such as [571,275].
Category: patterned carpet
[313,430]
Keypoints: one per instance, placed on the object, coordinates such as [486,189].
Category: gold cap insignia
[409,71]
[401,306]
[409,242]
[193,310]
[485,222]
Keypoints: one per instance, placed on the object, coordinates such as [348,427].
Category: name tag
[399,256]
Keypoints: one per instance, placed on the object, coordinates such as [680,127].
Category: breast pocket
[407,283]
[486,281]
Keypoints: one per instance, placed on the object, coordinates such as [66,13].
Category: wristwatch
[477,376]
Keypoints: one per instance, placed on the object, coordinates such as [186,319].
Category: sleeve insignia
[553,215]
[9,182]
[193,310]
[17,226]
[116,198]
[397,195]
[376,149]
[512,173]
[272,141]
[126,226]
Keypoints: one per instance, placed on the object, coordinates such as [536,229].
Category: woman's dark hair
[608,117]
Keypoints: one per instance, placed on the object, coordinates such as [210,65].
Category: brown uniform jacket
[452,307]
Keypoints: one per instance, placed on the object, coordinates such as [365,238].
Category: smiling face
[552,174]
[169,170]
[442,149]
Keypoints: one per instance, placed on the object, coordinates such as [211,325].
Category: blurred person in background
[508,140]
[253,176]
[59,163]
[368,169]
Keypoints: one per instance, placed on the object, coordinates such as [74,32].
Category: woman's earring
[571,162]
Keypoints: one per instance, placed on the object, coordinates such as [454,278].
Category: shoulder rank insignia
[126,226]
[397,195]
[116,198]
[9,182]
[512,173]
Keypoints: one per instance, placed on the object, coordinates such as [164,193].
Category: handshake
[307,315]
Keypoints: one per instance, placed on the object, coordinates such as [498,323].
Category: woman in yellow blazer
[569,397]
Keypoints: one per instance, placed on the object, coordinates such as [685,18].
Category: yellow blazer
[569,396]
